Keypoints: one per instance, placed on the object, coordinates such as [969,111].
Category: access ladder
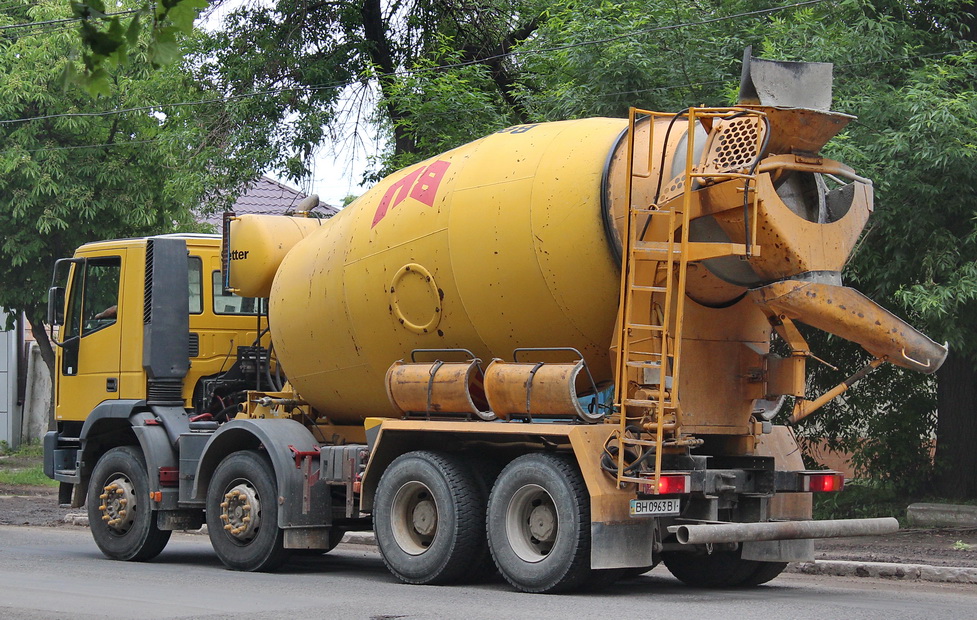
[654,275]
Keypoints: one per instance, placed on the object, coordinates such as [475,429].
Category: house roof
[268,197]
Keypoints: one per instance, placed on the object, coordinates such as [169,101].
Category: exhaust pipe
[781,530]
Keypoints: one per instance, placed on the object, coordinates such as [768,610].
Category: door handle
[112,384]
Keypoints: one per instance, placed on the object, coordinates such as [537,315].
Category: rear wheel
[538,524]
[121,518]
[720,569]
[428,518]
[242,513]
[764,573]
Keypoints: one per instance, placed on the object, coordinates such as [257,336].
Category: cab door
[89,360]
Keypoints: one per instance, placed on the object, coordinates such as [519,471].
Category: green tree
[332,66]
[329,69]
[69,175]
[907,71]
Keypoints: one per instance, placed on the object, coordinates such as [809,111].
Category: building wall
[10,414]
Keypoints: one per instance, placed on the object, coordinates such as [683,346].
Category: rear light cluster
[823,483]
[668,484]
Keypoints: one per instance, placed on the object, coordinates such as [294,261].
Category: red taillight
[667,485]
[673,484]
[169,477]
[824,483]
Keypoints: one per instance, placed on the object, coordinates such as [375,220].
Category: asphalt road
[59,573]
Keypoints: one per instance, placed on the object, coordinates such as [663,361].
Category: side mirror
[55,306]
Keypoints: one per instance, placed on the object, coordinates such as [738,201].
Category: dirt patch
[932,547]
[30,505]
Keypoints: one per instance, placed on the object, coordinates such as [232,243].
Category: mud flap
[801,550]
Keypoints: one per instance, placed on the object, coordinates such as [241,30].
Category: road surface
[50,573]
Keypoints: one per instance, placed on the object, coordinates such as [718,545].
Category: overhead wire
[317,87]
[405,72]
[65,20]
[627,92]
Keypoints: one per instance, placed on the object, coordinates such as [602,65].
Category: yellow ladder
[650,339]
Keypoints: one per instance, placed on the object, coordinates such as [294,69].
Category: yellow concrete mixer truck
[546,353]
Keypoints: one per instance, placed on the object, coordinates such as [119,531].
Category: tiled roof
[268,197]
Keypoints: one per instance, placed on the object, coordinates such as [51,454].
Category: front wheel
[242,513]
[539,524]
[122,521]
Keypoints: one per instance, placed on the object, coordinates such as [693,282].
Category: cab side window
[229,303]
[195,279]
[94,301]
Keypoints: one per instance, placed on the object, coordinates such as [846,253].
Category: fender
[114,423]
[275,437]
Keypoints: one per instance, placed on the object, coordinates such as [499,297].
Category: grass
[860,501]
[30,476]
[25,450]
[23,466]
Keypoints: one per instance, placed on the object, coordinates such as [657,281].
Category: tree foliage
[908,72]
[69,175]
[328,69]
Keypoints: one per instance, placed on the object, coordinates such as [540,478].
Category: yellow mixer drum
[496,245]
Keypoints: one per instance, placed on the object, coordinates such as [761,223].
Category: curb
[351,538]
[360,538]
[942,515]
[831,568]
[886,570]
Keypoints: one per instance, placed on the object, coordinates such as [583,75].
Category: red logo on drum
[421,185]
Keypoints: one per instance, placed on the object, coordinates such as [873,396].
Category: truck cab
[108,333]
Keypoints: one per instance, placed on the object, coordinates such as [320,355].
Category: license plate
[654,507]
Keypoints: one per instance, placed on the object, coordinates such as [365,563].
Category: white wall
[10,415]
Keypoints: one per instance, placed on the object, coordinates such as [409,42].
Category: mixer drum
[495,245]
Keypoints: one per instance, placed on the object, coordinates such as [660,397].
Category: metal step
[649,289]
[646,327]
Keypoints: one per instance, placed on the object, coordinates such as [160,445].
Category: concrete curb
[886,570]
[360,538]
[832,568]
[351,538]
[941,515]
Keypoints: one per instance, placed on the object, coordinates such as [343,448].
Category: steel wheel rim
[414,518]
[241,512]
[118,504]
[532,523]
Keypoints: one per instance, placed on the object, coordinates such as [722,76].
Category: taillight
[668,484]
[169,477]
[824,483]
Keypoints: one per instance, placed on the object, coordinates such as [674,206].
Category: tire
[767,571]
[719,569]
[428,518]
[538,524]
[121,518]
[242,514]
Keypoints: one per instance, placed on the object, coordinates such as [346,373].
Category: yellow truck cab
[153,354]
[110,314]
